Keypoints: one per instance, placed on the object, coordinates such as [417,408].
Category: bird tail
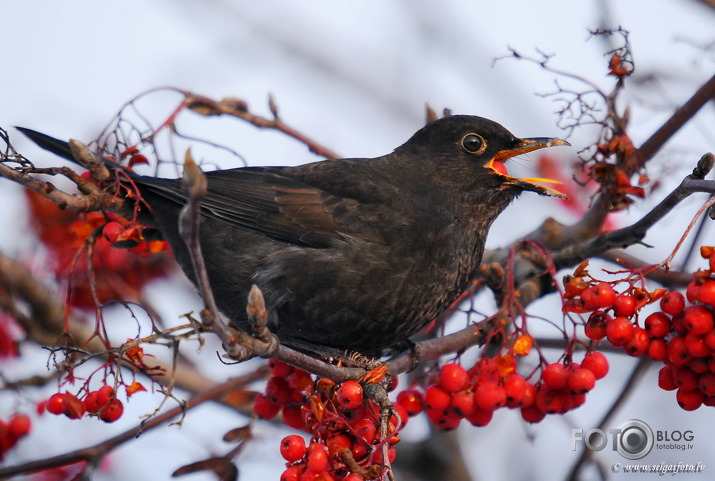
[56,146]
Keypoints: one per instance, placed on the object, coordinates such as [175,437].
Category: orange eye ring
[474,144]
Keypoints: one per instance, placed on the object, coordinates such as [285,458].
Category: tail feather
[56,146]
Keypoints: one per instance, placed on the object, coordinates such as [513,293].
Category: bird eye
[474,143]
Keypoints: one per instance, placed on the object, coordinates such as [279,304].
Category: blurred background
[356,77]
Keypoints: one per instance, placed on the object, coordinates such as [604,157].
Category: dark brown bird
[356,254]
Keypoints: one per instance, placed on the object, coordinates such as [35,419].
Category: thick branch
[635,233]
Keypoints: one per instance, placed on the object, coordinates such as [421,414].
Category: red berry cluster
[16,428]
[491,384]
[102,403]
[681,334]
[119,273]
[344,424]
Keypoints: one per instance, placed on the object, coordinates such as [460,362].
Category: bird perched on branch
[356,254]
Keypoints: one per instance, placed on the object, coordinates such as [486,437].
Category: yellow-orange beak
[523,147]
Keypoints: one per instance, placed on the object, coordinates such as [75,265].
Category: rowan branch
[92,455]
[627,236]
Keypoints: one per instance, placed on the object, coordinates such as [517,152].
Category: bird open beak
[524,146]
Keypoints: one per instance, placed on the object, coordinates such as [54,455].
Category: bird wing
[269,201]
[265,201]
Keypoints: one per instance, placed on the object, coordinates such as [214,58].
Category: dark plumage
[355,254]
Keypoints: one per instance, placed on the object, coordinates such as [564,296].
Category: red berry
[436,398]
[293,473]
[678,324]
[55,404]
[698,319]
[337,443]
[293,448]
[394,382]
[112,411]
[412,401]
[596,363]
[691,292]
[90,402]
[265,408]
[710,340]
[699,365]
[317,458]
[532,414]
[278,390]
[19,426]
[462,403]
[490,395]
[581,380]
[575,400]
[279,368]
[402,412]
[391,453]
[689,400]
[573,287]
[555,376]
[595,328]
[706,293]
[666,380]
[638,344]
[453,378]
[696,345]
[479,417]
[685,378]
[550,401]
[292,416]
[601,296]
[515,388]
[529,395]
[105,394]
[678,353]
[112,230]
[366,429]
[658,324]
[353,477]
[657,349]
[443,420]
[619,331]
[299,381]
[350,395]
[706,383]
[673,303]
[624,305]
[72,407]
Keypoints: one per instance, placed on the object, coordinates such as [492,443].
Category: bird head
[477,148]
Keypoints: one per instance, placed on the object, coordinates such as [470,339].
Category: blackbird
[351,254]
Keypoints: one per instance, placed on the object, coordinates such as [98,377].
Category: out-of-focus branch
[45,321]
[686,112]
[94,454]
